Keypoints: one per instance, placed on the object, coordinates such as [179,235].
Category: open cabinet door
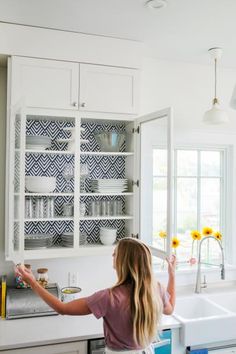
[15,172]
[154,169]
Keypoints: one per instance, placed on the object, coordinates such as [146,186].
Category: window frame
[226,185]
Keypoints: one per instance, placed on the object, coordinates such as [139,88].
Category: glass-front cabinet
[76,185]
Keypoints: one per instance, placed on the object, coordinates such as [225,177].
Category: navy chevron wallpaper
[52,165]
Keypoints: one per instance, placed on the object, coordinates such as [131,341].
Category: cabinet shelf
[100,153]
[115,217]
[58,218]
[52,152]
[106,194]
[49,194]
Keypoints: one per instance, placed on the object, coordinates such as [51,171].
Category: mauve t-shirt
[115,310]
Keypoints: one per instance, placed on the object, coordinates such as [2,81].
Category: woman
[132,308]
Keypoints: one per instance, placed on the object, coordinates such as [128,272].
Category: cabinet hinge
[135,235]
[135,183]
[137,130]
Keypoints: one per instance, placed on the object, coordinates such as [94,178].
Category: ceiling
[184,30]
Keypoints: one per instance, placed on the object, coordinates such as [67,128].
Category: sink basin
[203,321]
[196,307]
[226,300]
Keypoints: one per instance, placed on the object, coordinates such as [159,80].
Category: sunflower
[162,234]
[218,235]
[207,231]
[175,242]
[196,235]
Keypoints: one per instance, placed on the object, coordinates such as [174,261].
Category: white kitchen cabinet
[44,83]
[51,84]
[108,89]
[130,163]
[50,104]
[63,348]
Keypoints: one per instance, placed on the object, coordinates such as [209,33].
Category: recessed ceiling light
[156,4]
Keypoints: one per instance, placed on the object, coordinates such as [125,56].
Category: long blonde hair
[133,263]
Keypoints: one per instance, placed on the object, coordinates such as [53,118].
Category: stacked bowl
[37,142]
[108,235]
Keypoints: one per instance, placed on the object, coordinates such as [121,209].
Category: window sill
[192,270]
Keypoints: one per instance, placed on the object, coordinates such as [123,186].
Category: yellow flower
[162,234]
[218,235]
[175,242]
[196,235]
[207,231]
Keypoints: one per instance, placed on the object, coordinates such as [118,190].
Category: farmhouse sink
[226,300]
[196,307]
[206,318]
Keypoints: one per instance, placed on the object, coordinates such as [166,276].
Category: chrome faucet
[222,265]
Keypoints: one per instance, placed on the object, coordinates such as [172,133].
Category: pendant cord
[215,78]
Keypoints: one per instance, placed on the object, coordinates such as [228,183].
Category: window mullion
[175,193]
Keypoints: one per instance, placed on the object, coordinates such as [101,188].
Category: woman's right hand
[171,264]
[25,273]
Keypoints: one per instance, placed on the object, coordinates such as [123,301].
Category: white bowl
[40,184]
[107,239]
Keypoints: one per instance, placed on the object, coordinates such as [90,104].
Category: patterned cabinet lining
[52,165]
[92,229]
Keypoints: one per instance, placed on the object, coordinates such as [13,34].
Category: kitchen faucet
[222,265]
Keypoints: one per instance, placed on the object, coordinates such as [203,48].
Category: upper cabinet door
[44,83]
[154,168]
[15,172]
[108,89]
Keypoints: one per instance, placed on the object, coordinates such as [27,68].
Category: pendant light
[215,115]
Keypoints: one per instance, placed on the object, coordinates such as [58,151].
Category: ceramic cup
[70,293]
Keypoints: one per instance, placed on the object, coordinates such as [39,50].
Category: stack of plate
[67,239]
[37,142]
[38,241]
[118,185]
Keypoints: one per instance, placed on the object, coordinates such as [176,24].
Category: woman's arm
[76,307]
[169,308]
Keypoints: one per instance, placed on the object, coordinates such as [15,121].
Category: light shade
[233,99]
[215,115]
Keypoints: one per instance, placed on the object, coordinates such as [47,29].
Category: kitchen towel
[196,351]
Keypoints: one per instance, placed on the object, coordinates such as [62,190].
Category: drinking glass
[28,208]
[84,173]
[68,174]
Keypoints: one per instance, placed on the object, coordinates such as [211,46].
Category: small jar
[42,277]
[18,279]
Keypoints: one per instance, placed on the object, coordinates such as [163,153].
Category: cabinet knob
[83,104]
[74,104]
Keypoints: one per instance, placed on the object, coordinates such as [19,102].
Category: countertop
[29,332]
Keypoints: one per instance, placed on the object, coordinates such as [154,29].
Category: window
[199,199]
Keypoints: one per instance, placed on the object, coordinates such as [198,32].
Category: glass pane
[159,220]
[153,204]
[210,203]
[186,204]
[210,163]
[186,163]
[159,162]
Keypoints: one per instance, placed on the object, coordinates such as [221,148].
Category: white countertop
[35,331]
